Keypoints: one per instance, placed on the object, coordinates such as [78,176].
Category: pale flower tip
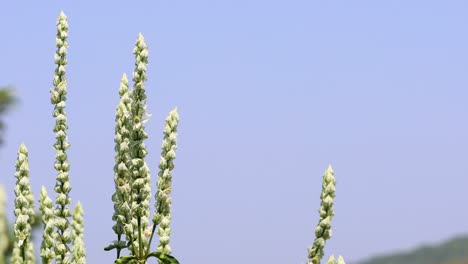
[141,39]
[330,169]
[23,148]
[78,207]
[124,77]
[62,15]
[341,260]
[175,113]
[331,260]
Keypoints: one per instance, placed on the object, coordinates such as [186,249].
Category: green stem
[140,239]
[23,252]
[151,239]
[118,249]
[130,239]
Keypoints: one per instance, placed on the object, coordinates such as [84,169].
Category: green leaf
[116,244]
[124,259]
[165,259]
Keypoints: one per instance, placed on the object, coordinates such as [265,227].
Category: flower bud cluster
[162,216]
[30,255]
[122,176]
[24,206]
[78,251]
[47,211]
[16,257]
[323,229]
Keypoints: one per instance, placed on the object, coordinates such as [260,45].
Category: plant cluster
[63,226]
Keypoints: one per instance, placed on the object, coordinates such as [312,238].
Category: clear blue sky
[269,93]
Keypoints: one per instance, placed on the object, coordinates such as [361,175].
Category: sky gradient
[269,93]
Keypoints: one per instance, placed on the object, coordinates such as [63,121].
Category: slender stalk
[24,208]
[62,166]
[323,229]
[162,217]
[122,197]
[141,190]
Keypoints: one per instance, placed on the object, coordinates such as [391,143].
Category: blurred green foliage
[7,99]
[454,251]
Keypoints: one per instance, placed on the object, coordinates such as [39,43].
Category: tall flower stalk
[141,190]
[326,212]
[162,217]
[24,209]
[47,211]
[79,250]
[62,166]
[122,178]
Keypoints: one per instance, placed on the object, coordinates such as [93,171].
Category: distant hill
[454,251]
